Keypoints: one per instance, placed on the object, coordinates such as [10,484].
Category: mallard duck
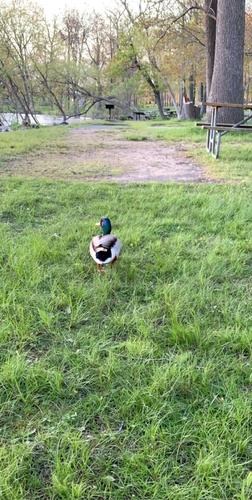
[105,248]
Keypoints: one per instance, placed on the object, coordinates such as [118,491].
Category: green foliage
[135,383]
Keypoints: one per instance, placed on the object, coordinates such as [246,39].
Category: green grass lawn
[134,383]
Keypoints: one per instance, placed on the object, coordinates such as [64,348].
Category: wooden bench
[215,134]
[216,130]
[222,128]
[219,125]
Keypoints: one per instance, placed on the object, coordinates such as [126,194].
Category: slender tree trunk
[172,96]
[158,100]
[227,79]
[50,91]
[19,99]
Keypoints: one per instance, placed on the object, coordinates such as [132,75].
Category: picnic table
[169,112]
[146,115]
[138,115]
[216,130]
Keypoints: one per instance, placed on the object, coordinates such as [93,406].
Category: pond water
[9,119]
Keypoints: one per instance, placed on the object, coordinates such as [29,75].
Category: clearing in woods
[97,152]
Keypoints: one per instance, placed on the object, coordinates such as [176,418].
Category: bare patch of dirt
[101,153]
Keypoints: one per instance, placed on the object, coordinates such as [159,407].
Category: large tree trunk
[211,11]
[227,79]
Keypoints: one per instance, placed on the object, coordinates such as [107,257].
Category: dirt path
[101,153]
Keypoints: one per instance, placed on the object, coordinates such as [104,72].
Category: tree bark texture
[211,10]
[227,79]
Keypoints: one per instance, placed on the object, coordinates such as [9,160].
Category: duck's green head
[105,225]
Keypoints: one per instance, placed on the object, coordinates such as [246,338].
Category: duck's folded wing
[108,241]
[95,242]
